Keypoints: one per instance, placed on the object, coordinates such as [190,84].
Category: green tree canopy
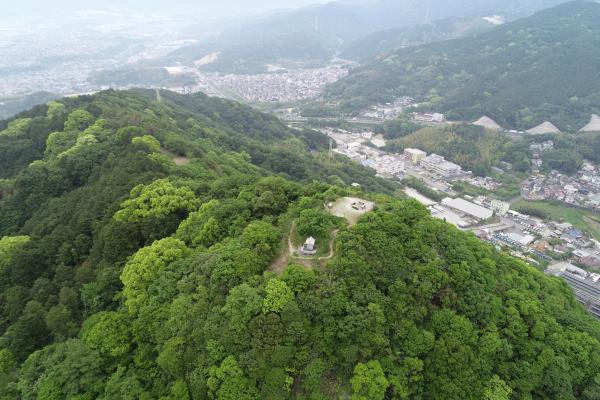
[369,381]
[144,266]
[158,199]
[277,295]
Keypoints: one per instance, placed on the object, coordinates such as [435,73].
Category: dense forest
[544,67]
[137,238]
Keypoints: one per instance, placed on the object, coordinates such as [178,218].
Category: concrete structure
[585,285]
[429,117]
[414,155]
[523,240]
[441,166]
[309,247]
[468,208]
[445,214]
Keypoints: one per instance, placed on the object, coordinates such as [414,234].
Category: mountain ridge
[127,273]
[510,73]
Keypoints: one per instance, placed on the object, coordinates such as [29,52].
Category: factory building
[468,208]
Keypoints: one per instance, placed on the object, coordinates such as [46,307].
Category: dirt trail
[290,255]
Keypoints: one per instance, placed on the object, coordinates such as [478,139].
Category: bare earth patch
[351,208]
[178,160]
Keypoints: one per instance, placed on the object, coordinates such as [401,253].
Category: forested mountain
[138,235]
[545,67]
[385,41]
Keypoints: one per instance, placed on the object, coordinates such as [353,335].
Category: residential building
[441,166]
[414,155]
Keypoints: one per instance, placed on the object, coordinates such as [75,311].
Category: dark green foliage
[164,291]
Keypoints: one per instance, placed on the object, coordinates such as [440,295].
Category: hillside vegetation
[478,150]
[125,275]
[544,67]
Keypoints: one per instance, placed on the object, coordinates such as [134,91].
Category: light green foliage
[201,228]
[314,222]
[49,390]
[107,332]
[261,237]
[59,142]
[78,120]
[242,304]
[148,142]
[277,295]
[144,267]
[497,389]
[84,139]
[16,128]
[9,245]
[298,278]
[7,361]
[214,221]
[56,110]
[179,391]
[369,381]
[271,196]
[158,199]
[228,382]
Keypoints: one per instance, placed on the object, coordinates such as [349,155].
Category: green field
[585,220]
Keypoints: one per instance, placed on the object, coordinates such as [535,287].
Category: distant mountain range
[313,35]
[544,67]
[15,104]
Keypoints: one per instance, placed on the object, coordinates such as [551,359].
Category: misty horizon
[212,10]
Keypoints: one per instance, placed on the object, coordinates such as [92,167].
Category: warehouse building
[466,207]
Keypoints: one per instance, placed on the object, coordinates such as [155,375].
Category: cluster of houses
[582,190]
[388,111]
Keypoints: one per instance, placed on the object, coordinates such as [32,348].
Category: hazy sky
[212,8]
